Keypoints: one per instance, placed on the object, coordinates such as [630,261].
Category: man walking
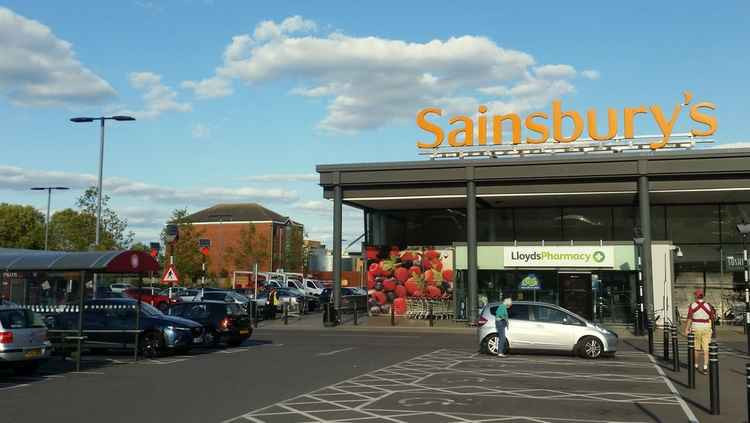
[700,317]
[501,323]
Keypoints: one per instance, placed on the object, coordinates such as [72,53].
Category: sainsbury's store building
[572,226]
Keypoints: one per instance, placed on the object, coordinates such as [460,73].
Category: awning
[97,261]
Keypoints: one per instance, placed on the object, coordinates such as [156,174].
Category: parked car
[295,296]
[313,287]
[120,287]
[542,326]
[222,322]
[23,339]
[347,294]
[179,293]
[224,296]
[151,296]
[109,319]
[295,283]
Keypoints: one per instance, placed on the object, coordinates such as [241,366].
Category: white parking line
[335,351]
[8,388]
[688,412]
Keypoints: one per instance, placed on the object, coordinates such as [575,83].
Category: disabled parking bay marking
[419,390]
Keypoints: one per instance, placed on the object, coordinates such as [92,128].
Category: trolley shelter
[63,287]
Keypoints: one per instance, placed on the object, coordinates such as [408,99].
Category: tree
[113,227]
[21,227]
[250,249]
[293,251]
[187,256]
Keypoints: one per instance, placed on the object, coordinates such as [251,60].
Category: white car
[120,287]
[313,287]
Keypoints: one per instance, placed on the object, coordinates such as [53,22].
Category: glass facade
[706,234]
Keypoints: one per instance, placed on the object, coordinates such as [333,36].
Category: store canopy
[17,260]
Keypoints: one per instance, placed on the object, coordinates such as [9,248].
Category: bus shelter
[59,285]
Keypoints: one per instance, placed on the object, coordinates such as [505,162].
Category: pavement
[366,375]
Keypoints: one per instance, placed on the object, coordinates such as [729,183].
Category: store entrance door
[576,293]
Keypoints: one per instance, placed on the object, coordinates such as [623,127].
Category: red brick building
[278,237]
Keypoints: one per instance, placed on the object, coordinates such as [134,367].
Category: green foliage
[187,257]
[293,261]
[250,249]
[21,227]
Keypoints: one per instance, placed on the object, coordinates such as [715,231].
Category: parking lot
[288,375]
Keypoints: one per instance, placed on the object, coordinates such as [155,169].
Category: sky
[238,101]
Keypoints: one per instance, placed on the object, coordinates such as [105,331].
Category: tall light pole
[49,200]
[101,120]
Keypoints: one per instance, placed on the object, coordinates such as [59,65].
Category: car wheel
[590,347]
[153,345]
[490,344]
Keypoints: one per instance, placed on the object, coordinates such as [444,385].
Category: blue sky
[238,101]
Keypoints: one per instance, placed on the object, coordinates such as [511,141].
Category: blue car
[111,324]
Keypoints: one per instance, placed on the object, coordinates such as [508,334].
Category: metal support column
[471,247]
[644,204]
[337,204]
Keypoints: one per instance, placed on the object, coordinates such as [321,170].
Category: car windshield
[20,319]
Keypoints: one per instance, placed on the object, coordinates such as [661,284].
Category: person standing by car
[501,323]
[700,317]
[273,298]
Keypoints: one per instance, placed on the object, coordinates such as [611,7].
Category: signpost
[170,276]
[558,256]
[204,245]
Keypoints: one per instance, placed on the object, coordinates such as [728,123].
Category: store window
[539,224]
[624,220]
[693,223]
[698,258]
[614,296]
[495,225]
[587,223]
[731,215]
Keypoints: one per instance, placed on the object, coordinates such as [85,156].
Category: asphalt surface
[363,377]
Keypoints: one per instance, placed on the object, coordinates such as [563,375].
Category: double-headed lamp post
[101,163]
[49,200]
[744,230]
[101,120]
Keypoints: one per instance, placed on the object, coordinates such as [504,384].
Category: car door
[520,329]
[552,331]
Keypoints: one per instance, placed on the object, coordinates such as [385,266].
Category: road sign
[170,275]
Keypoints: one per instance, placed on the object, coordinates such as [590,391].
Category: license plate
[197,340]
[244,332]
[33,353]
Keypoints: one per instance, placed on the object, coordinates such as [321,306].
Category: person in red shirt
[700,317]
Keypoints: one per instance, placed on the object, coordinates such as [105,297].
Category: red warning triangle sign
[170,275]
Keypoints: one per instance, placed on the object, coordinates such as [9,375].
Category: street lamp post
[744,229]
[49,200]
[101,120]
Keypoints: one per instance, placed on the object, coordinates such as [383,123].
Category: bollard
[637,323]
[393,318]
[650,337]
[747,375]
[286,313]
[431,317]
[666,341]
[354,305]
[691,360]
[675,350]
[713,373]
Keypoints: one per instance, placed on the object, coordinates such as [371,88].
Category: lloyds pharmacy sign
[558,256]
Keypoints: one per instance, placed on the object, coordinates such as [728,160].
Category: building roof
[236,212]
[12,259]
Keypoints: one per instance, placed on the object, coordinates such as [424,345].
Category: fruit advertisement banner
[398,277]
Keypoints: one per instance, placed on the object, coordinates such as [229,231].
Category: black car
[111,324]
[222,322]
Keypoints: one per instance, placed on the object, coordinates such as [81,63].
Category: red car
[151,296]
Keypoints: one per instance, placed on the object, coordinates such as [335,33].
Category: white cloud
[39,69]
[590,74]
[157,97]
[214,87]
[555,71]
[371,82]
[201,131]
[18,179]
[284,177]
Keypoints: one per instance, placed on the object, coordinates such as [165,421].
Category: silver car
[23,338]
[543,326]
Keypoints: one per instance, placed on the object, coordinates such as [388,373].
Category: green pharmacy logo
[530,282]
[599,256]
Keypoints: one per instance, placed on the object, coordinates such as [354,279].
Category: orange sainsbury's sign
[462,132]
